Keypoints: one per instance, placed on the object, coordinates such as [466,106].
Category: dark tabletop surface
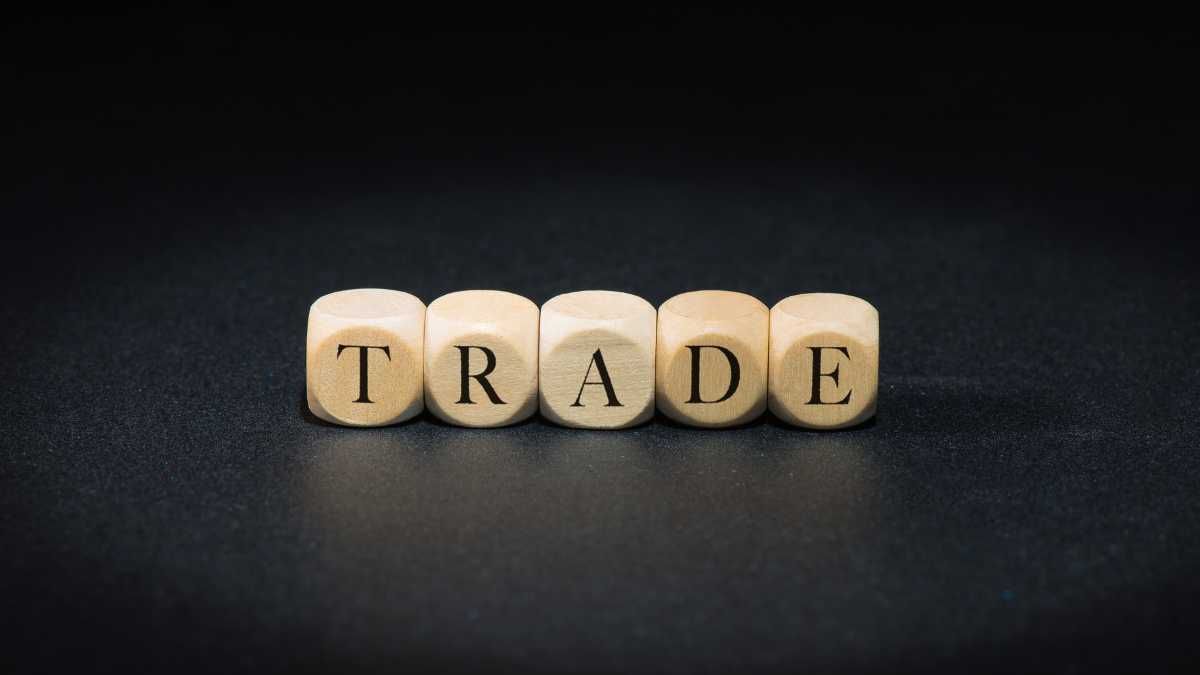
[1026,498]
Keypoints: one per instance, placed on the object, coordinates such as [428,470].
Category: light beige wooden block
[712,358]
[481,358]
[597,360]
[365,357]
[824,360]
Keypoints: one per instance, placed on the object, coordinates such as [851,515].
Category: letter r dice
[481,358]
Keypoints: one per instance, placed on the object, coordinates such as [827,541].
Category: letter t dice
[364,360]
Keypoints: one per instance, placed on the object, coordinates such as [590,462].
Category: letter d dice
[712,358]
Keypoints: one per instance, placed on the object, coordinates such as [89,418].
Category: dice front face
[364,357]
[712,358]
[597,360]
[481,358]
[824,362]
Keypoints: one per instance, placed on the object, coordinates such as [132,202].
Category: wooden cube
[712,358]
[365,357]
[481,358]
[824,360]
[597,360]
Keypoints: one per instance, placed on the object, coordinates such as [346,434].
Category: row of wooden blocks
[592,359]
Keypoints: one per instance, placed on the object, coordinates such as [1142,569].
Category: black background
[1015,196]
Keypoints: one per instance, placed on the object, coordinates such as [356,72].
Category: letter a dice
[712,358]
[824,360]
[364,360]
[597,360]
[481,358]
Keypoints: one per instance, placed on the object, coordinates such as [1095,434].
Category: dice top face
[714,306]
[712,358]
[364,357]
[824,360]
[597,360]
[481,358]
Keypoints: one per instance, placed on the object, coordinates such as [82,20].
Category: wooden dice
[592,359]
[824,360]
[712,358]
[597,360]
[364,360]
[481,358]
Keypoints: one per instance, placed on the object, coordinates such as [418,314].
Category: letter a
[598,360]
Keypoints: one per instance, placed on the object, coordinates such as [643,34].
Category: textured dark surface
[1025,500]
